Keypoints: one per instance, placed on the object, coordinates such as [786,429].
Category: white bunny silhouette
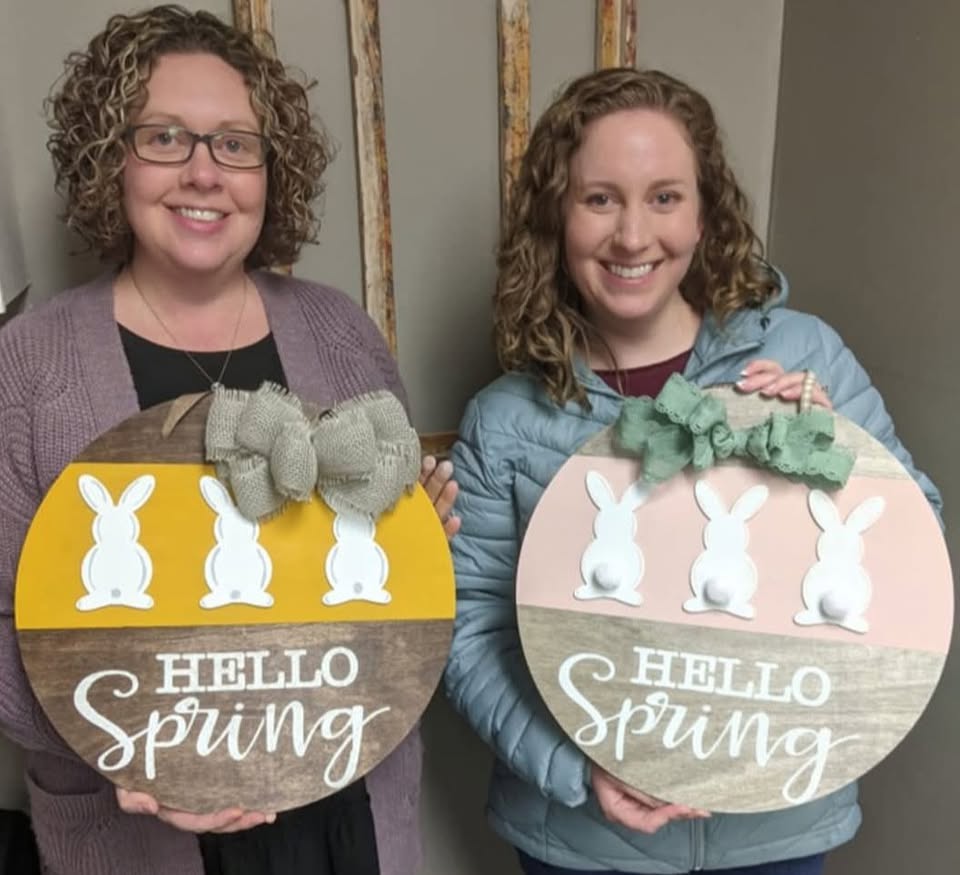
[116,570]
[837,589]
[238,569]
[356,565]
[723,577]
[612,566]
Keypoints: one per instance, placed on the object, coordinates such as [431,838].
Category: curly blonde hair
[103,88]
[538,318]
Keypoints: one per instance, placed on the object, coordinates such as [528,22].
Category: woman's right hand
[228,820]
[437,479]
[633,809]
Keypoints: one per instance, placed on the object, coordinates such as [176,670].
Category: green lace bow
[685,426]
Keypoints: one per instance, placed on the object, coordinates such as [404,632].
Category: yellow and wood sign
[211,661]
[731,639]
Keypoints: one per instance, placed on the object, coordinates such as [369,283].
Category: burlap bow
[685,426]
[360,455]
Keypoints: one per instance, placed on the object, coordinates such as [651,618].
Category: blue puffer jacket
[513,440]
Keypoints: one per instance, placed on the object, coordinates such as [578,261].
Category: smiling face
[195,218]
[631,227]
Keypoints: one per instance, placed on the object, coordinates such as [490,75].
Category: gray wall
[440,86]
[864,223]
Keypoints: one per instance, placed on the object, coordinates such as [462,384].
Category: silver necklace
[214,383]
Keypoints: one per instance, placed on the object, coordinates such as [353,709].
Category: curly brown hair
[103,88]
[539,323]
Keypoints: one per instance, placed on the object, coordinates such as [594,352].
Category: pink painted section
[904,554]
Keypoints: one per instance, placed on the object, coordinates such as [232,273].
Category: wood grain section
[629,39]
[438,443]
[255,17]
[514,65]
[875,696]
[140,438]
[398,666]
[616,33]
[370,128]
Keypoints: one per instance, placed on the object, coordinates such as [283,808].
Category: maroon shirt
[645,380]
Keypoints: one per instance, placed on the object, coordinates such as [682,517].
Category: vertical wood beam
[370,128]
[616,33]
[255,17]
[513,18]
[629,40]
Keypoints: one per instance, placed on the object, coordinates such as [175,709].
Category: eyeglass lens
[171,144]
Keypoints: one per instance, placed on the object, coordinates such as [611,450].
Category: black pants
[18,849]
[331,837]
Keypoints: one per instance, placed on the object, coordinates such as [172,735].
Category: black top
[162,373]
[335,835]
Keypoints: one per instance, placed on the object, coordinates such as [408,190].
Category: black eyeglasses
[172,144]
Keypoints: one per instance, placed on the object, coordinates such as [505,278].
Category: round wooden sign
[731,639]
[186,652]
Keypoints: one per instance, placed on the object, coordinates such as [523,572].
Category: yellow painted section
[176,529]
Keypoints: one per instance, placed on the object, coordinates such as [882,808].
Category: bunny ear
[599,490]
[710,503]
[823,509]
[637,494]
[750,502]
[94,493]
[865,514]
[215,494]
[137,493]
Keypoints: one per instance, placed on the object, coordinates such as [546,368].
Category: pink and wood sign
[731,639]
[184,651]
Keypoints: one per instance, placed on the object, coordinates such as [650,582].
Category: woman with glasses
[188,160]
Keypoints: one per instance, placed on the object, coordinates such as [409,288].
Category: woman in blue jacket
[627,256]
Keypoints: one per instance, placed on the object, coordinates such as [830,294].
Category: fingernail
[445,468]
[270,818]
[741,384]
[745,372]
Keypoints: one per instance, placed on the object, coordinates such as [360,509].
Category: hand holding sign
[622,804]
[228,820]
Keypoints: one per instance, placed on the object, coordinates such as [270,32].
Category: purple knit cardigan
[64,381]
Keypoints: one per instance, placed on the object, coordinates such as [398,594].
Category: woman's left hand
[437,479]
[768,378]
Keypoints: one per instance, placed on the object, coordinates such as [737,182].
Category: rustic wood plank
[139,438]
[876,695]
[616,33]
[514,64]
[629,40]
[398,665]
[370,127]
[255,17]
[609,23]
[438,444]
